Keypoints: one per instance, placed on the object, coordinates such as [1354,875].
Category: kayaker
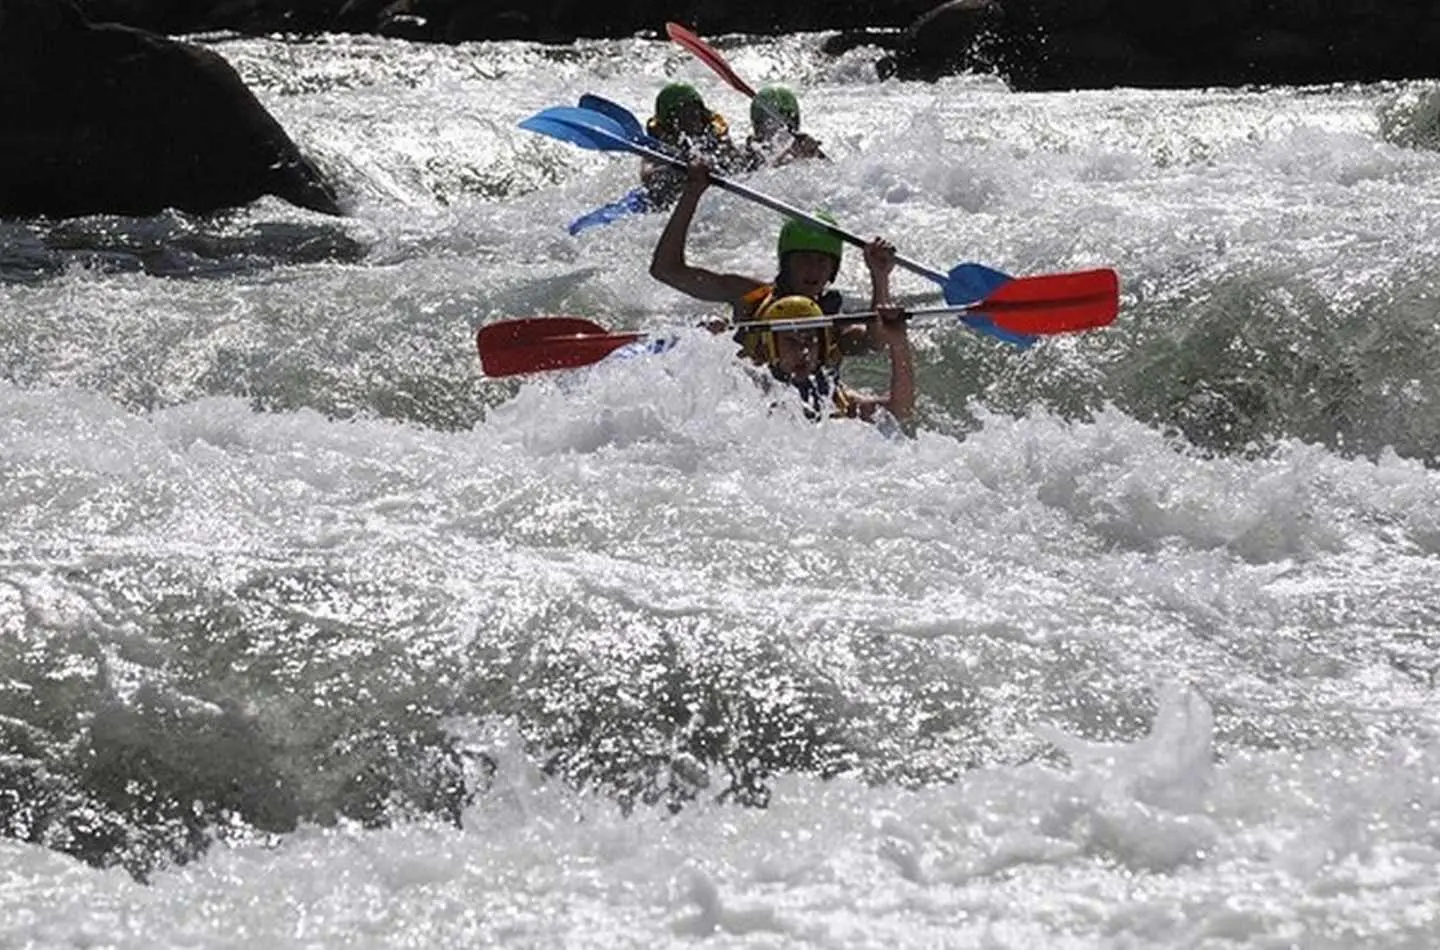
[684,122]
[809,260]
[775,136]
[797,358]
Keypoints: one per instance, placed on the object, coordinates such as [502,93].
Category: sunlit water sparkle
[310,635]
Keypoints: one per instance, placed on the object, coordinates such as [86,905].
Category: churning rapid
[310,635]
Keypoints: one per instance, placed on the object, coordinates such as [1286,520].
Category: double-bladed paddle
[706,53]
[711,57]
[964,285]
[536,344]
[629,123]
[634,201]
[1047,303]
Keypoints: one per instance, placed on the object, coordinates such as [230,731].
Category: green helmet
[673,98]
[780,101]
[797,235]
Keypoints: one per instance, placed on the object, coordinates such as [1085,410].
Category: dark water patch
[647,729]
[446,393]
[671,710]
[1411,119]
[202,701]
[1233,365]
[243,708]
[173,244]
[226,713]
[1264,358]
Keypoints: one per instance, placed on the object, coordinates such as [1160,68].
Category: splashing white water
[1132,646]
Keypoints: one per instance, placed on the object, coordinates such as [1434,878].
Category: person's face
[809,271]
[797,352]
[767,127]
[693,119]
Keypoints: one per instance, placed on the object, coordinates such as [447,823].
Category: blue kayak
[635,202]
[658,195]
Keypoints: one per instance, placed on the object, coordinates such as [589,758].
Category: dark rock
[478,23]
[1275,55]
[1060,14]
[110,119]
[958,23]
[359,15]
[948,39]
[194,16]
[1032,43]
[843,42]
[1171,25]
[1084,59]
[404,26]
[159,16]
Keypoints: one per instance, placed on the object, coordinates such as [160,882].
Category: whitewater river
[312,636]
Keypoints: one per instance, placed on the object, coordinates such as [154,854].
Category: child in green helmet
[686,124]
[809,260]
[775,137]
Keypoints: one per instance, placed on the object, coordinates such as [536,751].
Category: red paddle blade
[707,54]
[1055,303]
[533,345]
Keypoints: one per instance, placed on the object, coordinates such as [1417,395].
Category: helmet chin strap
[815,385]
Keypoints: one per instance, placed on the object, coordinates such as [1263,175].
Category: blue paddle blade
[968,283]
[566,132]
[629,125]
[623,116]
[580,127]
[980,321]
[634,202]
[972,283]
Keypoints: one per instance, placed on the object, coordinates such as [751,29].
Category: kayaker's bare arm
[901,398]
[668,265]
[858,339]
[880,262]
[888,332]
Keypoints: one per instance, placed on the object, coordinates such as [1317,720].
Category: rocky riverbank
[105,118]
[1035,44]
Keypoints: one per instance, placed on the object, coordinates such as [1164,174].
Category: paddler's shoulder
[744,306]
